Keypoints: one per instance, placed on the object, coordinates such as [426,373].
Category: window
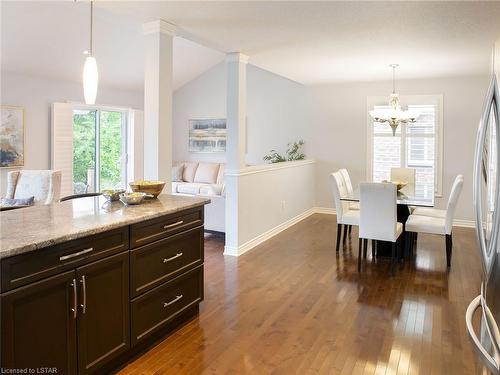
[99,149]
[416,145]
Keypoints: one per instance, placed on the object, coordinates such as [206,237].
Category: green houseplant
[293,152]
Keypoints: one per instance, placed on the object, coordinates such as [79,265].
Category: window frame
[405,100]
[125,125]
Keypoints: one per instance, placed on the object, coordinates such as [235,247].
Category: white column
[236,64]
[158,101]
[236,110]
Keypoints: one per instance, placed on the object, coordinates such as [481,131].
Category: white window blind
[415,145]
[62,144]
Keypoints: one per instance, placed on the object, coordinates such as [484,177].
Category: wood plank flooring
[295,306]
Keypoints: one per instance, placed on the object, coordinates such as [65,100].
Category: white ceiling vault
[308,42]
[48,38]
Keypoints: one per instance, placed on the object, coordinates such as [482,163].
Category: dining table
[419,194]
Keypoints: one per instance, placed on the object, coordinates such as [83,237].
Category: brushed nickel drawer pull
[178,255]
[75,299]
[84,292]
[69,256]
[173,225]
[166,304]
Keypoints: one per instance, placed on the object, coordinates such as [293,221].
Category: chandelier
[394,115]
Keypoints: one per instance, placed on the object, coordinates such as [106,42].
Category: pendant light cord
[394,66]
[393,79]
[91,25]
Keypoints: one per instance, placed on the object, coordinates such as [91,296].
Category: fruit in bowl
[112,194]
[399,184]
[132,198]
[149,187]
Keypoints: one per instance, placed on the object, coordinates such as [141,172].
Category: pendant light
[90,73]
[395,115]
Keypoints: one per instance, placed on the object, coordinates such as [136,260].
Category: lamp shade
[90,80]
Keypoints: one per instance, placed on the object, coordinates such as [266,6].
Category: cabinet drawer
[155,229]
[153,310]
[153,264]
[26,268]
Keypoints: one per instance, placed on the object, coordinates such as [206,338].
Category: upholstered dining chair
[345,216]
[434,221]
[403,174]
[43,185]
[378,218]
[348,185]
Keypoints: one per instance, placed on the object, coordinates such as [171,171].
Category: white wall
[270,197]
[36,94]
[332,120]
[339,116]
[276,112]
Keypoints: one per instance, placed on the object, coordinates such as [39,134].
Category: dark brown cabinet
[103,315]
[39,325]
[153,264]
[71,306]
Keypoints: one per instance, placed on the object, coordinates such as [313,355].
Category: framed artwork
[207,135]
[11,136]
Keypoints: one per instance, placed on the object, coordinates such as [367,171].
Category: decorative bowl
[399,184]
[132,198]
[112,194]
[149,187]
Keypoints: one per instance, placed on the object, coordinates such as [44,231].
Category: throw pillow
[177,171]
[9,202]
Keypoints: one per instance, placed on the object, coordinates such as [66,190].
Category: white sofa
[204,179]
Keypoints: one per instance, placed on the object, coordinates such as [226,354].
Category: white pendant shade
[90,80]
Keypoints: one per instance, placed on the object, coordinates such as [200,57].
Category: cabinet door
[103,316]
[39,325]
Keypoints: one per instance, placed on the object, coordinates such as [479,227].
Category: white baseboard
[324,210]
[464,223]
[456,222]
[239,250]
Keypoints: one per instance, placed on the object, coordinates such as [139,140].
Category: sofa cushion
[177,172]
[207,173]
[189,171]
[174,186]
[220,175]
[9,202]
[211,190]
[188,188]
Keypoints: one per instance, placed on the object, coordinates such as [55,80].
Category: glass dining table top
[411,195]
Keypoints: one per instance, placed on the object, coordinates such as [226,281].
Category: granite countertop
[32,228]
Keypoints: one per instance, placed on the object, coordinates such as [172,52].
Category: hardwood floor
[295,306]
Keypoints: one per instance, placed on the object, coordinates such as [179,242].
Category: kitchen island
[87,284]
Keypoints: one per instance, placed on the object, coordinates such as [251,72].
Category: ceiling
[47,38]
[308,42]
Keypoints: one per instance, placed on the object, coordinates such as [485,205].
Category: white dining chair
[437,223]
[348,184]
[345,216]
[403,174]
[378,217]
[435,212]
